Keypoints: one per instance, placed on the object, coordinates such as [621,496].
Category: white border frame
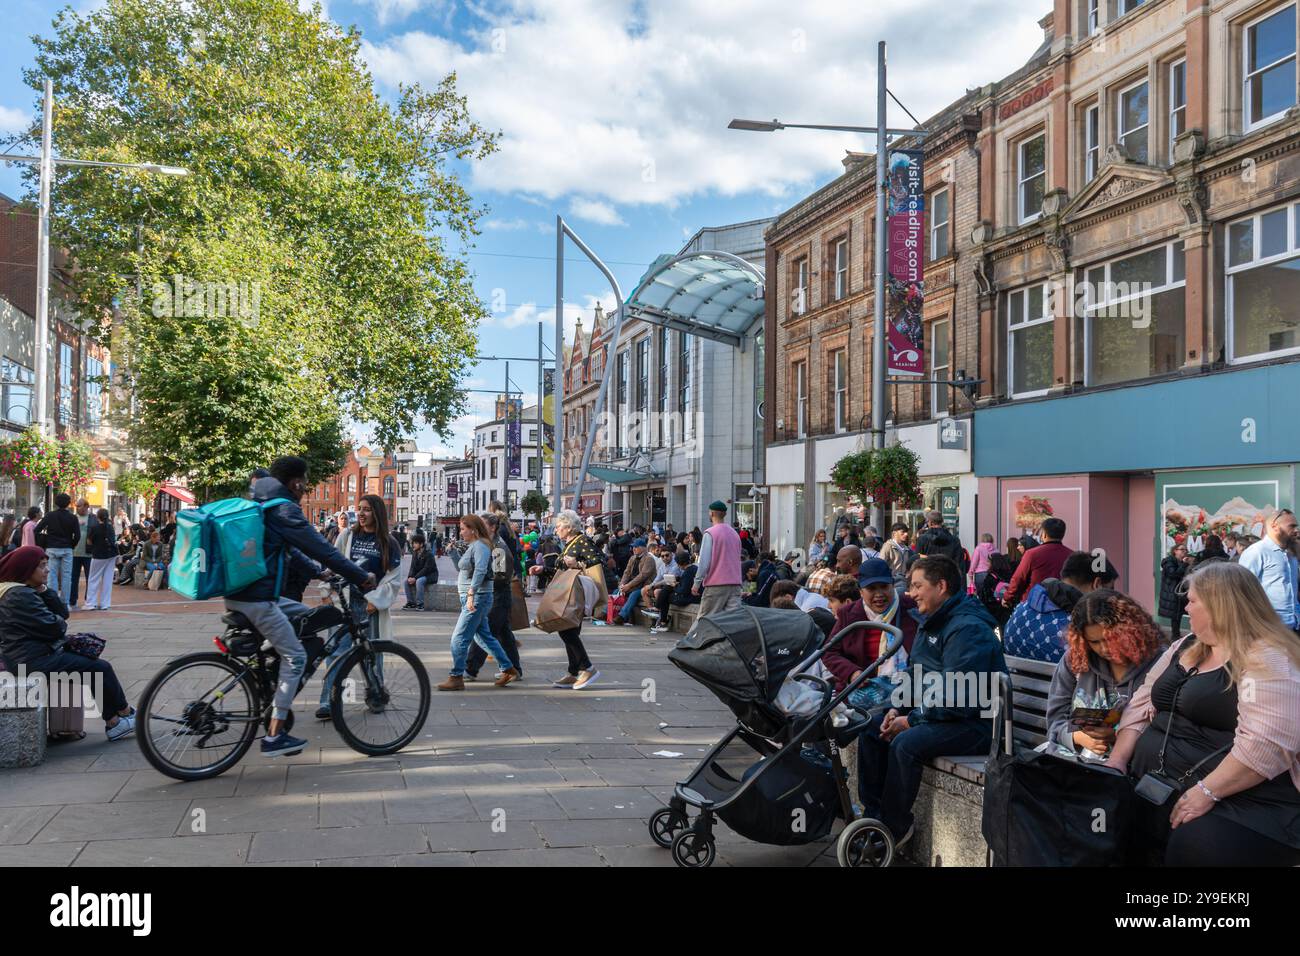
[1090,307]
[1169,95]
[1078,489]
[946,192]
[1020,181]
[841,244]
[1091,141]
[934,389]
[1246,125]
[1160,503]
[838,356]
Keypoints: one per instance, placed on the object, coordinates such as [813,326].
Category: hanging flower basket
[30,456]
[886,476]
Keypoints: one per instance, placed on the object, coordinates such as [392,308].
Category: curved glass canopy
[714,295]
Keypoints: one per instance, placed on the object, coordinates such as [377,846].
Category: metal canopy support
[561,230]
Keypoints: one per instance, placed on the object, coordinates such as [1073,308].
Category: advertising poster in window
[1196,504]
[905,243]
[1026,508]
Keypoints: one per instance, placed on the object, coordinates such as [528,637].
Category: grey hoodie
[1065,682]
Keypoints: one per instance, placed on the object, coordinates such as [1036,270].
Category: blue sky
[613,114]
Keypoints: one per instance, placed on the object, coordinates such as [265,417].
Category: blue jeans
[365,623]
[889,772]
[633,599]
[415,592]
[472,626]
[61,572]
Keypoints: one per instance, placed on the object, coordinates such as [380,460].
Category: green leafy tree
[317,217]
[536,504]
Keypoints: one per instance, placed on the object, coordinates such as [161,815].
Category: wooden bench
[950,805]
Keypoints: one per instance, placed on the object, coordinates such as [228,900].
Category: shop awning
[180,494]
[621,476]
[714,295]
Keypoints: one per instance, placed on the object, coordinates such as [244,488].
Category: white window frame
[801,398]
[800,304]
[1257,260]
[1089,306]
[1128,6]
[1247,125]
[1176,108]
[841,389]
[1025,323]
[939,407]
[1120,132]
[1092,17]
[1022,180]
[1091,142]
[937,224]
[841,268]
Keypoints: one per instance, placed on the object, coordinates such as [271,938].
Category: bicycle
[201,713]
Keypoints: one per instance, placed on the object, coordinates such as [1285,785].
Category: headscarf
[19,564]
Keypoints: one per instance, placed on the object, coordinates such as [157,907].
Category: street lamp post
[882,133]
[46,162]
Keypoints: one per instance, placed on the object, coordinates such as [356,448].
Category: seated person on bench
[946,699]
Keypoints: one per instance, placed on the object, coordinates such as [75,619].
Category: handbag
[86,645]
[518,606]
[1156,786]
[613,606]
[563,604]
[156,580]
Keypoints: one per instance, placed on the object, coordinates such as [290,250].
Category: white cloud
[627,102]
[507,225]
[14,120]
[593,210]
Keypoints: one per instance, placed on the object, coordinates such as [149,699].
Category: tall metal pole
[557,472]
[43,263]
[878,343]
[541,374]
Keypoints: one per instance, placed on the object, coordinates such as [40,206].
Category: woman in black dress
[1219,717]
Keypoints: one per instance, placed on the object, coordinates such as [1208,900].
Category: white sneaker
[124,727]
[586,679]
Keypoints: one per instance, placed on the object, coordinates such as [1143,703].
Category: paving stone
[426,805]
[568,856]
[613,832]
[594,803]
[151,785]
[113,821]
[351,809]
[249,815]
[19,824]
[50,854]
[481,836]
[227,850]
[23,789]
[338,843]
[345,778]
[436,859]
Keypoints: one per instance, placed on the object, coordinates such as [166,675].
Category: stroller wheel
[865,842]
[690,849]
[665,825]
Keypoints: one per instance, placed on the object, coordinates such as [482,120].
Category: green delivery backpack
[218,548]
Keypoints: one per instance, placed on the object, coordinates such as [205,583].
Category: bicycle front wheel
[198,716]
[380,698]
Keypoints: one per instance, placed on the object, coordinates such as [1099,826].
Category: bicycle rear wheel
[380,698]
[198,716]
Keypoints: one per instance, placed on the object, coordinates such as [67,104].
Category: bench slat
[1021,683]
[1026,666]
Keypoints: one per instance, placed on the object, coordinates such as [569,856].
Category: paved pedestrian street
[521,776]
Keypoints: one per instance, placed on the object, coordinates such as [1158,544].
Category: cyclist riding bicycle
[287,532]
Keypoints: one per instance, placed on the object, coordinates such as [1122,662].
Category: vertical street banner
[905,228]
[513,432]
[548,415]
[452,490]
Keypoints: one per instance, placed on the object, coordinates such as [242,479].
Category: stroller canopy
[744,655]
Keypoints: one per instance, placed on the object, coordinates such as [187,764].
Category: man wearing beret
[718,574]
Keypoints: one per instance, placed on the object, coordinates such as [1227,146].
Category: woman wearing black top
[103,558]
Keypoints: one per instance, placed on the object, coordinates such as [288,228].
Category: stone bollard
[22,721]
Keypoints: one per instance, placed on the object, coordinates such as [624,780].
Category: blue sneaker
[282,746]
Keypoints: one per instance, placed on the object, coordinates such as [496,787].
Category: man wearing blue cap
[641,570]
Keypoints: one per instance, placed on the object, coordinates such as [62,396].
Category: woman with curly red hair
[1111,643]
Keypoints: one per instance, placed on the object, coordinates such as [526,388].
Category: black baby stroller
[796,789]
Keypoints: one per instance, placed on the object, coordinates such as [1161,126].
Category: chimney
[1048,23]
[853,160]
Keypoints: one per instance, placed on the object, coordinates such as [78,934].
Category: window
[1029,341]
[1093,22]
[94,391]
[661,346]
[352,484]
[1135,121]
[1177,103]
[1270,58]
[939,367]
[16,392]
[801,399]
[1134,316]
[799,305]
[1263,285]
[65,384]
[1128,6]
[643,374]
[622,379]
[403,491]
[1091,142]
[403,467]
[533,462]
[494,436]
[841,269]
[684,380]
[940,217]
[1031,168]
[840,388]
[388,486]
[493,466]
